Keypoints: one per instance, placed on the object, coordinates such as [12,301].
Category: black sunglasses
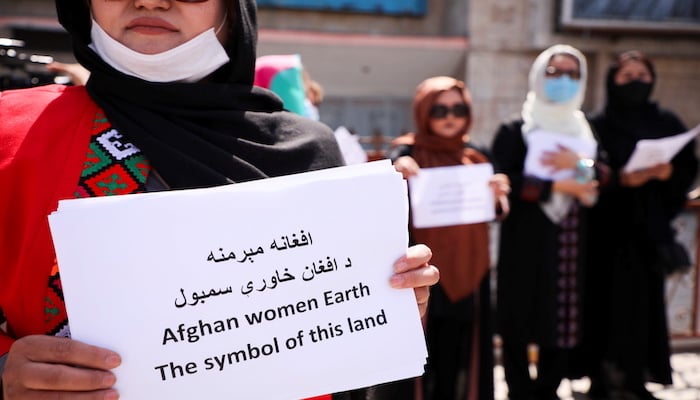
[556,73]
[439,111]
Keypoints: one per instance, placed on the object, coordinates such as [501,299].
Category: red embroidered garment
[42,161]
[113,167]
[41,158]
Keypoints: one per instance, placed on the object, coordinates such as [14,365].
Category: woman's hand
[500,184]
[76,72]
[638,178]
[407,166]
[51,367]
[634,178]
[413,271]
[585,192]
[562,158]
[661,171]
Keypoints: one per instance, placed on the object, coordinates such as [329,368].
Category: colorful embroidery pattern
[54,309]
[113,166]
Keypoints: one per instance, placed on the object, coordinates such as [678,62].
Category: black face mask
[630,95]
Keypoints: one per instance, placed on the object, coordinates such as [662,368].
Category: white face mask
[188,62]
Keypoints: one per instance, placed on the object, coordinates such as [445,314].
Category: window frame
[568,21]
[381,7]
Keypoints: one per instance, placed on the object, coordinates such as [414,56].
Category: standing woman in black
[542,241]
[626,315]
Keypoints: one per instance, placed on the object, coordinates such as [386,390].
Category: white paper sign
[453,195]
[273,289]
[350,146]
[540,141]
[650,152]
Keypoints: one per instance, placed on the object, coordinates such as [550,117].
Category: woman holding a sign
[632,237]
[550,156]
[458,323]
[169,104]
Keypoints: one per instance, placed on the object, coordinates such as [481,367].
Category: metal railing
[682,290]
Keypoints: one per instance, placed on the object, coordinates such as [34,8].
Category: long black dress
[627,333]
[540,276]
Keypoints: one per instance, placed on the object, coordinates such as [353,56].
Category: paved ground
[686,382]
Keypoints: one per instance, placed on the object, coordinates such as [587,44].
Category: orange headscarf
[461,252]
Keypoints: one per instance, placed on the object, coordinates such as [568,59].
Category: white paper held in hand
[650,152]
[454,195]
[273,289]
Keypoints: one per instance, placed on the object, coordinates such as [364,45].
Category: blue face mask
[560,89]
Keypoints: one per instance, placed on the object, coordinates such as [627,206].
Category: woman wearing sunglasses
[550,155]
[457,328]
[170,103]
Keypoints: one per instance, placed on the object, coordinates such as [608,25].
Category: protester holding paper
[169,105]
[630,228]
[550,156]
[458,320]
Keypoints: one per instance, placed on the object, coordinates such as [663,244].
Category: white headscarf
[560,118]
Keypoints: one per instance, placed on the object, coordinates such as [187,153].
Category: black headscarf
[648,209]
[208,133]
[625,121]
